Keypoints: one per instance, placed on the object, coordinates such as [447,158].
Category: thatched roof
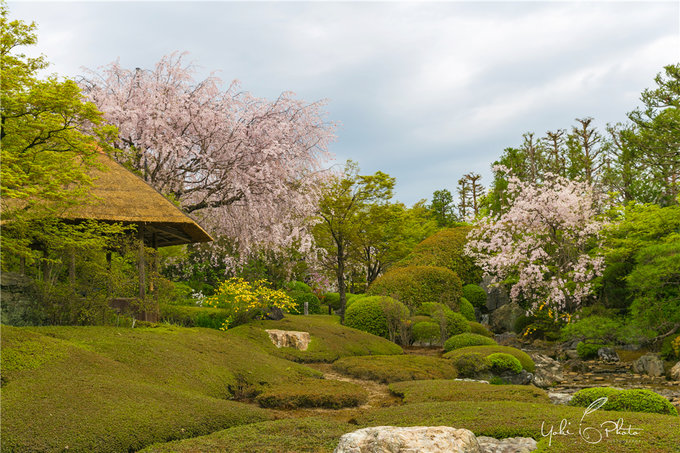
[119,195]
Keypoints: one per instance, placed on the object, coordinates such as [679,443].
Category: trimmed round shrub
[634,400]
[367,314]
[475,294]
[420,318]
[415,285]
[588,350]
[445,249]
[187,316]
[426,332]
[351,298]
[504,363]
[464,340]
[523,357]
[639,400]
[456,323]
[300,297]
[471,365]
[479,329]
[427,308]
[466,309]
[298,286]
[332,299]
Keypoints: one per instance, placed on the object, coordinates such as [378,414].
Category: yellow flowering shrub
[247,300]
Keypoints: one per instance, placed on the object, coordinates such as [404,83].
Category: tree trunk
[340,273]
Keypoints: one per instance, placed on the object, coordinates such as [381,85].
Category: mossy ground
[449,390]
[119,389]
[329,339]
[396,368]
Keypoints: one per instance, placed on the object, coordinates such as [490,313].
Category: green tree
[49,138]
[344,199]
[643,260]
[655,134]
[387,233]
[442,208]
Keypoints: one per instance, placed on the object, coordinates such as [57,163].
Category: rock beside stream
[649,364]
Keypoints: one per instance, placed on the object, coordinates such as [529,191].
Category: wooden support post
[109,289]
[141,263]
[72,268]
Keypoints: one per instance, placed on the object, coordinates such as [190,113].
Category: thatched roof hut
[118,195]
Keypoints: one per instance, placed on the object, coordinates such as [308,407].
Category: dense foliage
[415,285]
[445,249]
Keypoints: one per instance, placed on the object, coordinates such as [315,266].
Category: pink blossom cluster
[544,242]
[245,166]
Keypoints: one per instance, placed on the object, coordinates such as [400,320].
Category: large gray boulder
[548,371]
[503,319]
[496,296]
[391,439]
[675,372]
[649,364]
[608,355]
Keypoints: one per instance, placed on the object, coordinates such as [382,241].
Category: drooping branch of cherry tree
[543,245]
[247,167]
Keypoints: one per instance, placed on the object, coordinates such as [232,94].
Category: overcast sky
[423,91]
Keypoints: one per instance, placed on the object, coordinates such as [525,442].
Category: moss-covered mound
[633,400]
[313,434]
[500,419]
[450,390]
[522,356]
[396,368]
[445,249]
[329,339]
[313,393]
[111,390]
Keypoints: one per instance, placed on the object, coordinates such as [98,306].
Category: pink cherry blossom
[543,243]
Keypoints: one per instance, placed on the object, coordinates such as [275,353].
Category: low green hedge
[396,368]
[522,356]
[466,309]
[471,364]
[449,390]
[475,294]
[427,332]
[300,297]
[464,340]
[479,329]
[634,400]
[188,316]
[504,363]
[313,393]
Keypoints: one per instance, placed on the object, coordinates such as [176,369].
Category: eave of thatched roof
[119,195]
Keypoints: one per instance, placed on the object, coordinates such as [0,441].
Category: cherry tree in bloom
[541,244]
[245,166]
